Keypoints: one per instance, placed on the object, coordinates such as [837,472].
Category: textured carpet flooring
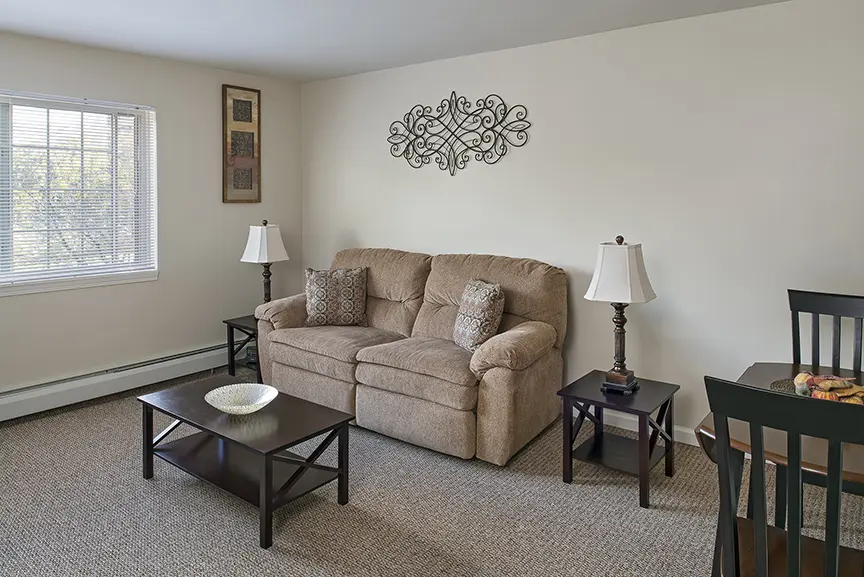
[72,502]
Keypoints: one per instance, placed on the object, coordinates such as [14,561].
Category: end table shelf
[615,452]
[634,456]
[241,362]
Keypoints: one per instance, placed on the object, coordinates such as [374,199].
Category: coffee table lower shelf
[236,469]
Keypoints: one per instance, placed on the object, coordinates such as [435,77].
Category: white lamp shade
[264,245]
[619,276]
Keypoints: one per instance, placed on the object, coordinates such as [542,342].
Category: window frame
[145,153]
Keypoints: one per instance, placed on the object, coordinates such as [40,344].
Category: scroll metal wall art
[455,132]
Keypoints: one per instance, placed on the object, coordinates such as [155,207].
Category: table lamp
[620,279]
[265,247]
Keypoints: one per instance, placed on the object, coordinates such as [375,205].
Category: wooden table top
[647,399]
[284,422]
[248,322]
[814,451]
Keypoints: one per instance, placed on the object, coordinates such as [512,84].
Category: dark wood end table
[246,455]
[247,325]
[633,456]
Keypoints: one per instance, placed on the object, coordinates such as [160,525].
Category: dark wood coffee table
[246,455]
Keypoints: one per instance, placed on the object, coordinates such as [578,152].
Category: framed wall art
[241,144]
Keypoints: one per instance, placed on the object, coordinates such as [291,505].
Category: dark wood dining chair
[833,305]
[818,304]
[751,546]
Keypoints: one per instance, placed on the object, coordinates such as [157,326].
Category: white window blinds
[77,191]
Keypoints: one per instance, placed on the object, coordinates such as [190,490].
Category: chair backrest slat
[757,492]
[796,338]
[793,492]
[834,487]
[856,348]
[835,345]
[834,305]
[836,422]
[815,357]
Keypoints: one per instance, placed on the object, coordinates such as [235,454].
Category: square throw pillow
[479,314]
[336,297]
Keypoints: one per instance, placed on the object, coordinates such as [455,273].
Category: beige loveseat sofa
[403,376]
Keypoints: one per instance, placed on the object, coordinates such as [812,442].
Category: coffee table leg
[147,438]
[343,464]
[644,458]
[265,502]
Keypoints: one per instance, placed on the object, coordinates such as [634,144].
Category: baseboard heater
[50,395]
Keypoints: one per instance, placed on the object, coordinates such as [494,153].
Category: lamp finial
[619,239]
[264,223]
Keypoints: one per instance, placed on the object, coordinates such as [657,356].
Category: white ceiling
[312,39]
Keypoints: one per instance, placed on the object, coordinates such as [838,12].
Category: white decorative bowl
[242,398]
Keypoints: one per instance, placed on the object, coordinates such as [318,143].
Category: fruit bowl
[241,398]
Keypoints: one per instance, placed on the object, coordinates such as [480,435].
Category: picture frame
[241,144]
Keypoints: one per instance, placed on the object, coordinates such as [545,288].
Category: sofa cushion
[285,355]
[394,285]
[330,351]
[315,387]
[336,297]
[533,291]
[418,385]
[479,314]
[438,358]
[417,421]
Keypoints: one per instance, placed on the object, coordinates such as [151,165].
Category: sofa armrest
[289,312]
[516,349]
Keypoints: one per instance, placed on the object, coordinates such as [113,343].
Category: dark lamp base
[620,383]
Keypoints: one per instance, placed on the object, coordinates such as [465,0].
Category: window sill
[43,286]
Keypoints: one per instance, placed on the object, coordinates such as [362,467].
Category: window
[77,193]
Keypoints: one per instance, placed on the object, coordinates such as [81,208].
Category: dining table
[814,451]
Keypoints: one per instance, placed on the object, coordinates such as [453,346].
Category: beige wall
[201,281]
[731,146]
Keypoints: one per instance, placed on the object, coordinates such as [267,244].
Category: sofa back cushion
[533,291]
[394,285]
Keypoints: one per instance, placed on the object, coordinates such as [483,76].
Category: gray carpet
[72,502]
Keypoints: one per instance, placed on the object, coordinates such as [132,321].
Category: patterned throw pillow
[336,297]
[479,314]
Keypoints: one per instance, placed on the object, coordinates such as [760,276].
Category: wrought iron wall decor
[455,132]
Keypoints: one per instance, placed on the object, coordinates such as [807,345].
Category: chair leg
[737,466]
[780,498]
[715,567]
